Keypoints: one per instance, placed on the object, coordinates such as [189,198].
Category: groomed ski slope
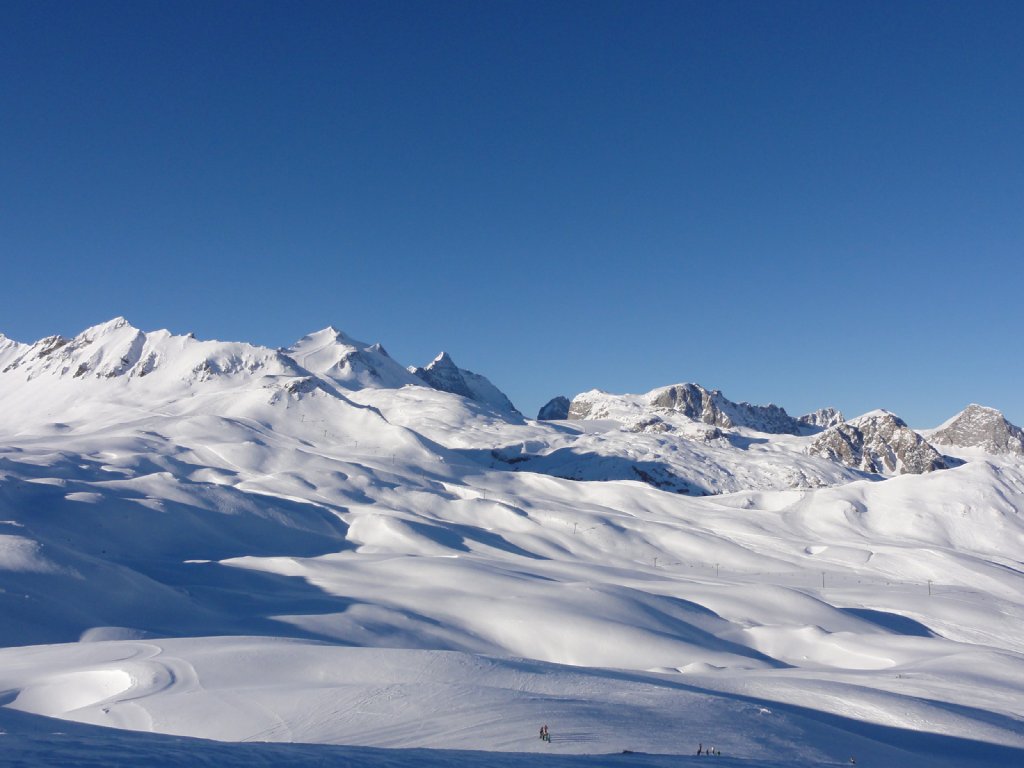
[271,554]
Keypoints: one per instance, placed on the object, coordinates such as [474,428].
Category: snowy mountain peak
[879,442]
[712,407]
[445,375]
[978,426]
[350,363]
[823,418]
[555,409]
[443,360]
[10,349]
[110,326]
[117,349]
[691,401]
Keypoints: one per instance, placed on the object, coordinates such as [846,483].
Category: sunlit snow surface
[235,547]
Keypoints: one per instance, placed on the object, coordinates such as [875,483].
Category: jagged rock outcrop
[445,375]
[979,427]
[692,401]
[712,407]
[555,409]
[878,442]
[823,417]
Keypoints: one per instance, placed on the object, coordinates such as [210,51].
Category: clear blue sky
[809,203]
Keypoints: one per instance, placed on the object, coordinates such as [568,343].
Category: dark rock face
[557,408]
[823,417]
[979,427]
[712,407]
[443,374]
[879,442]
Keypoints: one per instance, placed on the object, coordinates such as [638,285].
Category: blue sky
[809,203]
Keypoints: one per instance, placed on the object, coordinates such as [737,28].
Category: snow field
[257,547]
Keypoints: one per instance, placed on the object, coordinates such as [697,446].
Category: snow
[281,547]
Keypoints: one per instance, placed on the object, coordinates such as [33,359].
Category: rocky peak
[108,349]
[879,442]
[555,409]
[712,407]
[445,375]
[979,427]
[823,418]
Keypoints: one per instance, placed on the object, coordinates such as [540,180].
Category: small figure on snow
[700,748]
[544,735]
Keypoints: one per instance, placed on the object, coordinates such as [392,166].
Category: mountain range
[319,544]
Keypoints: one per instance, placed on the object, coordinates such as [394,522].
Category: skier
[700,748]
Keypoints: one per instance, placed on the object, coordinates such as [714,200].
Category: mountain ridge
[276,551]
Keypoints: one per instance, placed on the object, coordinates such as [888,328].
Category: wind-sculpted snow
[287,552]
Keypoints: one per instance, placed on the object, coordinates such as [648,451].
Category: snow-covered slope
[275,547]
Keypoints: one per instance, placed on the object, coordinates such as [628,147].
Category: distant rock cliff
[712,407]
[689,400]
[445,375]
[878,442]
[555,409]
[823,417]
[979,427]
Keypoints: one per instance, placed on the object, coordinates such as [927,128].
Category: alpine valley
[340,560]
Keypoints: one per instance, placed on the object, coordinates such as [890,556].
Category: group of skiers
[545,735]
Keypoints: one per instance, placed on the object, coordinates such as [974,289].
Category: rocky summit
[878,442]
[444,375]
[823,418]
[693,402]
[555,409]
[714,408]
[979,427]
